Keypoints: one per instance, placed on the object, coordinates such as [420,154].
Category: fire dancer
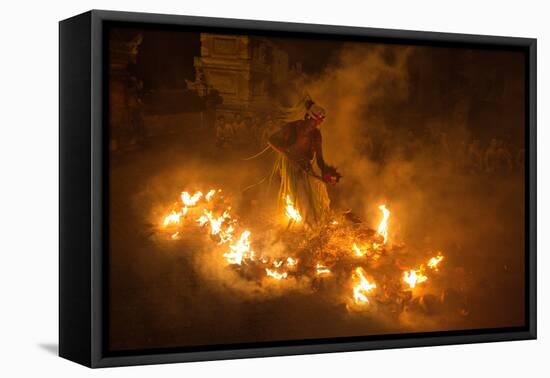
[299,143]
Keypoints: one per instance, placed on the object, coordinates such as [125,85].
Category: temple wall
[242,68]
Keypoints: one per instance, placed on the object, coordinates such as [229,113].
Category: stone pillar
[125,122]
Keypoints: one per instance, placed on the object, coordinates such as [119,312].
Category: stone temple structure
[238,77]
[245,70]
[124,97]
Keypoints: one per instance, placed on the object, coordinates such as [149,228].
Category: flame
[275,274]
[226,235]
[414,277]
[240,250]
[383,226]
[362,286]
[322,269]
[210,194]
[172,218]
[190,200]
[291,261]
[223,226]
[365,250]
[216,224]
[358,250]
[291,212]
[202,220]
[434,262]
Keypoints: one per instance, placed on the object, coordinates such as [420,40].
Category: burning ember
[276,275]
[414,277]
[291,212]
[190,200]
[434,262]
[172,218]
[210,194]
[322,269]
[291,262]
[361,286]
[240,250]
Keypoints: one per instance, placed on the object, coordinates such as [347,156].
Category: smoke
[391,150]
[363,77]
[227,172]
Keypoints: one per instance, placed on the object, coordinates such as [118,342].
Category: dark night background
[481,76]
[168,61]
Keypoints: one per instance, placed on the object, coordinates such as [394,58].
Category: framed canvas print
[234,188]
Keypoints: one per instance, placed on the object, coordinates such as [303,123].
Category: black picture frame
[83,198]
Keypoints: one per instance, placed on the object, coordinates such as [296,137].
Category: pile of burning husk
[344,260]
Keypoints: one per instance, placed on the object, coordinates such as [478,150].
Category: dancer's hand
[331,175]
